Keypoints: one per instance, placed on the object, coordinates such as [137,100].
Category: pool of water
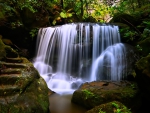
[62,104]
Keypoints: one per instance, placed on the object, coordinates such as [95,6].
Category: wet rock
[76,85]
[22,90]
[111,107]
[132,56]
[96,93]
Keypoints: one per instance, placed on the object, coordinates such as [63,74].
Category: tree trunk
[81,16]
[62,4]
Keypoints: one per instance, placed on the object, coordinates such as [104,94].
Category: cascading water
[70,54]
[108,61]
[110,65]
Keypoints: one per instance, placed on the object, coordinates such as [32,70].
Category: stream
[63,104]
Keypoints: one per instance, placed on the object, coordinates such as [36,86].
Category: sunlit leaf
[63,15]
[54,22]
[69,15]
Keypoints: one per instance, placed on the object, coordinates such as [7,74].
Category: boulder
[111,107]
[22,90]
[132,55]
[96,93]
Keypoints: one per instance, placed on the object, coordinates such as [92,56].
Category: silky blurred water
[71,54]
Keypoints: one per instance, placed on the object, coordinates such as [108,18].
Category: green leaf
[69,14]
[54,22]
[63,15]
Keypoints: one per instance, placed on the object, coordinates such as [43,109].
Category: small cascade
[71,54]
[110,65]
[108,60]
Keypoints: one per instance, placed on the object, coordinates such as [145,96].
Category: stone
[22,90]
[96,93]
[110,107]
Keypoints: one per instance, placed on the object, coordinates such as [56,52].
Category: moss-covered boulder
[96,93]
[111,107]
[22,90]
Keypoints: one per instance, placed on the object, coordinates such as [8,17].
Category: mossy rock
[111,107]
[95,93]
[33,100]
[22,90]
[7,51]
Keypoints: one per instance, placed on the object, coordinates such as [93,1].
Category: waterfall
[70,54]
[108,54]
[110,65]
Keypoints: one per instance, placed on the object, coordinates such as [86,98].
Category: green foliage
[145,34]
[145,8]
[16,24]
[139,47]
[88,94]
[119,109]
[115,105]
[134,5]
[128,34]
[63,14]
[120,8]
[32,5]
[133,86]
[101,12]
[147,24]
[138,23]
[12,12]
[72,10]
[33,32]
